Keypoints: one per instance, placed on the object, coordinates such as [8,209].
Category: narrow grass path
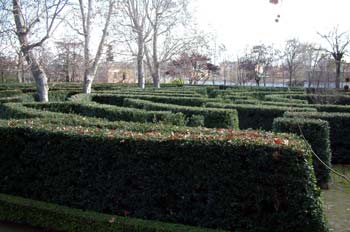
[337,202]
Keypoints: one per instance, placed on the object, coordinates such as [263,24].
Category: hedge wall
[339,124]
[118,99]
[316,132]
[10,93]
[336,99]
[59,218]
[91,111]
[257,116]
[217,118]
[287,98]
[112,113]
[239,181]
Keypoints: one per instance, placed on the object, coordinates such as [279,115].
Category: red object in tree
[274,1]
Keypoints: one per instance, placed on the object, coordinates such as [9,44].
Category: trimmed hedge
[270,103]
[10,99]
[287,98]
[10,93]
[257,116]
[194,180]
[111,113]
[316,132]
[217,118]
[339,124]
[118,99]
[312,98]
[90,111]
[55,217]
[333,108]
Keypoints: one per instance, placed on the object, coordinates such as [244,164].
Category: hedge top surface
[210,135]
[259,107]
[317,114]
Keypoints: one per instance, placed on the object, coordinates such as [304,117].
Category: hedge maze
[190,158]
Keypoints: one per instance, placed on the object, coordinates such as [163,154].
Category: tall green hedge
[112,113]
[238,181]
[65,110]
[118,99]
[339,124]
[10,93]
[257,116]
[316,132]
[220,118]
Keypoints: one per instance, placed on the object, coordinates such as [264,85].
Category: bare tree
[315,54]
[134,19]
[292,55]
[32,22]
[69,58]
[164,17]
[338,43]
[91,65]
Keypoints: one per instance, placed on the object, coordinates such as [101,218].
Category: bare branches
[338,43]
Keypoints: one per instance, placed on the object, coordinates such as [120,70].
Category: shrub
[257,116]
[118,99]
[195,180]
[112,113]
[339,132]
[178,119]
[177,82]
[196,120]
[312,98]
[316,132]
[10,93]
[220,118]
[287,98]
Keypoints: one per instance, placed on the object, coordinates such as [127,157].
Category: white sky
[238,23]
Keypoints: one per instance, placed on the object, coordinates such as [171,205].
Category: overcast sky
[238,23]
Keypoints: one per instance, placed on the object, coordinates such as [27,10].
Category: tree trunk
[20,73]
[337,78]
[140,73]
[39,77]
[88,78]
[290,78]
[36,69]
[156,76]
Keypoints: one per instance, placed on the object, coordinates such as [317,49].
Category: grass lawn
[337,201]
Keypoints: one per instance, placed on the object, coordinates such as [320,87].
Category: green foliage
[118,99]
[10,93]
[286,98]
[335,99]
[316,132]
[257,116]
[178,119]
[177,82]
[339,124]
[111,113]
[183,178]
[219,118]
[196,120]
